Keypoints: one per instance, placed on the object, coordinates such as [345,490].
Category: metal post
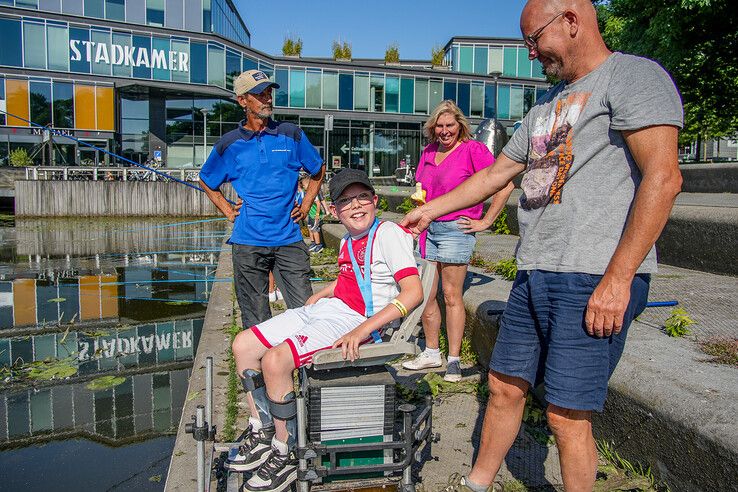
[302,485]
[209,390]
[205,112]
[407,431]
[199,422]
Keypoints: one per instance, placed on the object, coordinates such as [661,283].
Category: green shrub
[506,268]
[676,324]
[406,205]
[20,158]
[437,56]
[392,54]
[341,50]
[382,204]
[292,47]
[499,226]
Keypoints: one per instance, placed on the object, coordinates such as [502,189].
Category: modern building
[154,77]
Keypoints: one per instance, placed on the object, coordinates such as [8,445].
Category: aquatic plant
[105,382]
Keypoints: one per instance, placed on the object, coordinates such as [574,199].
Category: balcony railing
[76,173]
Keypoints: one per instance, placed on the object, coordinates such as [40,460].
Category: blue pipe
[661,303]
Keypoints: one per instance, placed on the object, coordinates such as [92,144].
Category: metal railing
[77,173]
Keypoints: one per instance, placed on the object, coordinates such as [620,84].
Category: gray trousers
[251,266]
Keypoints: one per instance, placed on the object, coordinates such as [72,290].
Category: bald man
[599,153]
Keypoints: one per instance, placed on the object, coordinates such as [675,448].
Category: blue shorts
[446,243]
[543,337]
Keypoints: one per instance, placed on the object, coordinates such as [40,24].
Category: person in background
[314,222]
[450,158]
[600,156]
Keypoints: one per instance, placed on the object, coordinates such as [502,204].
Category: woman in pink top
[450,158]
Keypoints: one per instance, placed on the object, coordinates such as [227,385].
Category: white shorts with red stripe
[309,328]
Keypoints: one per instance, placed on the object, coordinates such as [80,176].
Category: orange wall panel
[16,96]
[89,297]
[108,296]
[105,111]
[24,301]
[84,107]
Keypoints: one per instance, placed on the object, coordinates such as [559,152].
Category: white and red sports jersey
[391,260]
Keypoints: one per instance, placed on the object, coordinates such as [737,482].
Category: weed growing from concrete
[513,486]
[406,205]
[382,204]
[536,424]
[722,350]
[499,226]
[233,383]
[616,473]
[506,268]
[677,324]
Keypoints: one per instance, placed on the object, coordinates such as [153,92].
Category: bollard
[199,431]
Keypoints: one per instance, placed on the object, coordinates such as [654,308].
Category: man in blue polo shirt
[262,160]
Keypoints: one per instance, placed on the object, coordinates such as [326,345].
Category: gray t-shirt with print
[581,178]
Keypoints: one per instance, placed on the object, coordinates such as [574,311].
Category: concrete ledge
[710,178]
[214,342]
[666,407]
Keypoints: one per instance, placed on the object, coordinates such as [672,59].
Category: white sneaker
[423,361]
[279,294]
[273,296]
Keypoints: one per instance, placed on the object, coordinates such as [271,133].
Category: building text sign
[129,56]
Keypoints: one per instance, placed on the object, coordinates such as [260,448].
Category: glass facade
[511,59]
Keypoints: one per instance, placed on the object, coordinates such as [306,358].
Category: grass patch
[616,473]
[506,268]
[536,424]
[233,383]
[467,354]
[328,256]
[677,325]
[722,350]
[326,274]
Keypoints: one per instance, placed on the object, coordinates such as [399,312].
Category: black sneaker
[276,473]
[252,453]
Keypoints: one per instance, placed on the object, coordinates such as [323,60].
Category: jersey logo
[360,255]
[301,339]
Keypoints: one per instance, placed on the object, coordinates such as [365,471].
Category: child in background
[313,220]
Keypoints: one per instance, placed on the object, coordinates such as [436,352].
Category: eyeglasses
[531,40]
[364,198]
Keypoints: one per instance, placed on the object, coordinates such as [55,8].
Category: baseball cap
[345,178]
[253,82]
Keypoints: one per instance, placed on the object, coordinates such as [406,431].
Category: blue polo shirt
[263,167]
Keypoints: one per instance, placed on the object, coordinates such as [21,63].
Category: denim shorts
[446,243]
[543,337]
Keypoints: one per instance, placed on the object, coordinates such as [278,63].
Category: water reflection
[129,305]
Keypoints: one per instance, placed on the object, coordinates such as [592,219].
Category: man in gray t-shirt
[599,152]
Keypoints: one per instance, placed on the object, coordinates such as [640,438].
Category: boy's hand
[349,344]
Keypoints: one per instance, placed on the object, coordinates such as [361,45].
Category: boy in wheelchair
[366,296]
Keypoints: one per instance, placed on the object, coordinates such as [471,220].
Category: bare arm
[215,196]
[655,152]
[499,200]
[300,211]
[411,295]
[474,190]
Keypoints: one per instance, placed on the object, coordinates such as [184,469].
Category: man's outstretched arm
[474,190]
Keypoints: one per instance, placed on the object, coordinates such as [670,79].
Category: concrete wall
[710,178]
[110,198]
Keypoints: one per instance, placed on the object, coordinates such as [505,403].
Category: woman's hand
[349,344]
[467,225]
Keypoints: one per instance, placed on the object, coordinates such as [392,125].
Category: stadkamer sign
[129,56]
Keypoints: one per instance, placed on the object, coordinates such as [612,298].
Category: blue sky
[371,25]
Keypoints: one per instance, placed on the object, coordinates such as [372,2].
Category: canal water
[99,323]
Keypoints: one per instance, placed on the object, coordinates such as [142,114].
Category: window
[63,105]
[34,43]
[449,90]
[100,53]
[516,102]
[143,45]
[503,101]
[297,88]
[510,61]
[198,63]
[216,65]
[115,10]
[376,93]
[421,96]
[435,94]
[462,100]
[523,63]
[233,67]
[529,99]
[95,8]
[79,35]
[207,23]
[490,102]
[330,90]
[477,100]
[495,59]
[40,102]
[466,60]
[392,95]
[345,91]
[12,43]
[160,57]
[537,70]
[480,60]
[57,41]
[281,95]
[312,89]
[120,69]
[249,64]
[180,75]
[30,4]
[361,92]
[407,96]
[155,12]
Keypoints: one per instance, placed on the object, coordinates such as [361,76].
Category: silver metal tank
[492,134]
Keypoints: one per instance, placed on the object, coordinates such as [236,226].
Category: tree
[341,50]
[292,47]
[392,54]
[697,42]
[437,55]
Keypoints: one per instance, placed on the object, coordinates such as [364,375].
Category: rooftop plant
[392,54]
